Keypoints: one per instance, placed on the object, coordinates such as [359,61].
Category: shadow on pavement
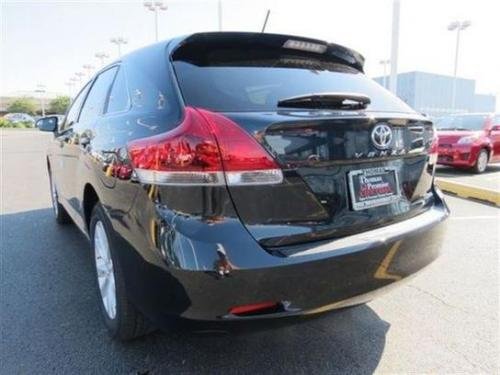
[51,323]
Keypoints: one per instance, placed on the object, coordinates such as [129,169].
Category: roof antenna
[265,21]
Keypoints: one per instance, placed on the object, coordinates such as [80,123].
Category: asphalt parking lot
[446,320]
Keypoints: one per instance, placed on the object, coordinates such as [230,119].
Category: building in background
[484,102]
[431,94]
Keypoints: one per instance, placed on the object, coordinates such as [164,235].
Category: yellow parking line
[381,272]
[469,191]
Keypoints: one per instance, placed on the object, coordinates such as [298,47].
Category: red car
[469,140]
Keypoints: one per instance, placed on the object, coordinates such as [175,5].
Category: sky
[46,42]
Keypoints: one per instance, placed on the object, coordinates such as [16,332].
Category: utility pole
[393,82]
[458,26]
[265,21]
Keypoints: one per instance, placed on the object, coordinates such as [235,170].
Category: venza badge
[382,136]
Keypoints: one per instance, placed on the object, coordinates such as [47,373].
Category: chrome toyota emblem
[382,136]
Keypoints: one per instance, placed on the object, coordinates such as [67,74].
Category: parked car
[469,140]
[235,176]
[19,117]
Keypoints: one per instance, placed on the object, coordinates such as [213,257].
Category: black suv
[235,176]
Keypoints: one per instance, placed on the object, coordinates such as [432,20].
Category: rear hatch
[346,169]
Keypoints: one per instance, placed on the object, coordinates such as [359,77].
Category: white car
[19,117]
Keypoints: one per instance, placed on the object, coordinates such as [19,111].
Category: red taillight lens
[254,308]
[206,148]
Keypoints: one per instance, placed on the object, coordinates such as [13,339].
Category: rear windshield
[232,84]
[461,122]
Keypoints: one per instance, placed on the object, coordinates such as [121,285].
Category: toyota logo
[382,136]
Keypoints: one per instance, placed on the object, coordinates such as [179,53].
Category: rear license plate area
[373,187]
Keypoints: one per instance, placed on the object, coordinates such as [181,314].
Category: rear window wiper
[330,100]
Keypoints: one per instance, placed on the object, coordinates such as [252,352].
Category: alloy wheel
[105,270]
[482,161]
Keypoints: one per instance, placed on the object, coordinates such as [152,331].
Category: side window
[118,97]
[72,114]
[94,104]
[147,92]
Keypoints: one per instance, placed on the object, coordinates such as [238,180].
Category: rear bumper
[202,281]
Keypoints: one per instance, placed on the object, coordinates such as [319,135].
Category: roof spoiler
[199,42]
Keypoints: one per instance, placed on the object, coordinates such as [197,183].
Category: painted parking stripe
[469,191]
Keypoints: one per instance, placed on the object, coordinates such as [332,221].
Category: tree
[59,104]
[23,105]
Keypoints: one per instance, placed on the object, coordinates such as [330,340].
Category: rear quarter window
[118,99]
[142,96]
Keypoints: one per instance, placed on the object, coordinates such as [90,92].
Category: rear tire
[60,212]
[123,320]
[481,161]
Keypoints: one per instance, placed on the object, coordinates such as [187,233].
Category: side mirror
[47,124]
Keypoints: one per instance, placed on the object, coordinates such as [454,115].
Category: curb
[469,191]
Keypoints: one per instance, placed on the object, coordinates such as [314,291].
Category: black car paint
[314,199]
[188,252]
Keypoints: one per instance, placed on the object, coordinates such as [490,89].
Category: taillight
[205,149]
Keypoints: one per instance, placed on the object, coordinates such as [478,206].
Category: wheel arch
[488,149]
[90,199]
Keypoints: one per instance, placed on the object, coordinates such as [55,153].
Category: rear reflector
[254,308]
[205,149]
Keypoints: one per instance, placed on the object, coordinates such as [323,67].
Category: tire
[60,212]
[481,161]
[123,320]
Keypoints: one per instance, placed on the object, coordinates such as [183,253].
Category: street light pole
[119,41]
[101,56]
[41,90]
[393,82]
[79,76]
[219,14]
[70,88]
[458,26]
[384,63]
[88,68]
[155,6]
[73,81]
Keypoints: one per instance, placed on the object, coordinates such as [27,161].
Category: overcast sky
[48,41]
